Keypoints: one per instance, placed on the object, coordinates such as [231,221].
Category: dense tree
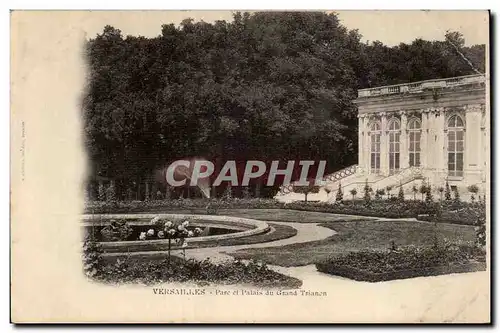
[268,86]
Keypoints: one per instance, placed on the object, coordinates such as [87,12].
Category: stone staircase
[348,179]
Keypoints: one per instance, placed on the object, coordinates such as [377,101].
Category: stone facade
[440,127]
[429,132]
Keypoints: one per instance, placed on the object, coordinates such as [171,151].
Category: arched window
[394,136]
[414,134]
[375,131]
[455,146]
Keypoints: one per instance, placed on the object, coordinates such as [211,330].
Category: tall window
[414,133]
[394,136]
[455,146]
[375,132]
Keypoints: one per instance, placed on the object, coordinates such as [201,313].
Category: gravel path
[306,232]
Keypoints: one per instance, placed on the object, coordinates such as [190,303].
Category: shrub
[447,192]
[353,193]
[388,189]
[379,193]
[401,194]
[340,195]
[473,189]
[111,193]
[116,231]
[367,194]
[92,257]
[440,190]
[415,191]
[101,192]
[428,195]
[156,271]
[405,262]
[306,189]
[423,190]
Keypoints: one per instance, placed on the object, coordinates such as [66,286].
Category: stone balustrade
[422,85]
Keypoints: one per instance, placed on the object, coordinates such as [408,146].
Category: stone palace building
[433,131]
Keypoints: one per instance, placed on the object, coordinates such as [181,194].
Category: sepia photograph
[330,159]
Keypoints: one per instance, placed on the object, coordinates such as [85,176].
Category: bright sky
[390,27]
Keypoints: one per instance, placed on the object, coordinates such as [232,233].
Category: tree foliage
[267,86]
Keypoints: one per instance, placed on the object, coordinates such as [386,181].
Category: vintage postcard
[250,167]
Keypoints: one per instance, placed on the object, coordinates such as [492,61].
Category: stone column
[384,146]
[403,147]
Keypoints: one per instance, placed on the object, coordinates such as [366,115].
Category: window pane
[412,146]
[396,146]
[417,148]
[459,122]
[460,146]
[451,136]
[451,145]
[417,159]
[459,135]
[412,159]
[397,160]
[460,161]
[451,158]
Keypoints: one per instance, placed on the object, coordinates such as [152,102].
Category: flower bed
[378,208]
[408,262]
[162,206]
[467,214]
[156,271]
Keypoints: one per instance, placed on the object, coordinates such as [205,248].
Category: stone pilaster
[384,145]
[403,147]
[424,151]
[473,159]
[361,141]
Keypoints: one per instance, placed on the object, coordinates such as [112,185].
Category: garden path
[306,232]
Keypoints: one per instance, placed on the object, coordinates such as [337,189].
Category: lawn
[356,236]
[289,215]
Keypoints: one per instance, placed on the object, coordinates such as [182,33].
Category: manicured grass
[278,231]
[289,215]
[356,236]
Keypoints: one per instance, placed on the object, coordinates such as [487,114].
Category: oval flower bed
[408,262]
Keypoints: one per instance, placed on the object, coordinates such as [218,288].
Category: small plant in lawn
[367,194]
[428,195]
[246,192]
[159,195]
[306,189]
[473,189]
[340,194]
[441,191]
[456,196]
[423,190]
[388,189]
[447,192]
[228,193]
[415,191]
[353,193]
[401,193]
[101,192]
